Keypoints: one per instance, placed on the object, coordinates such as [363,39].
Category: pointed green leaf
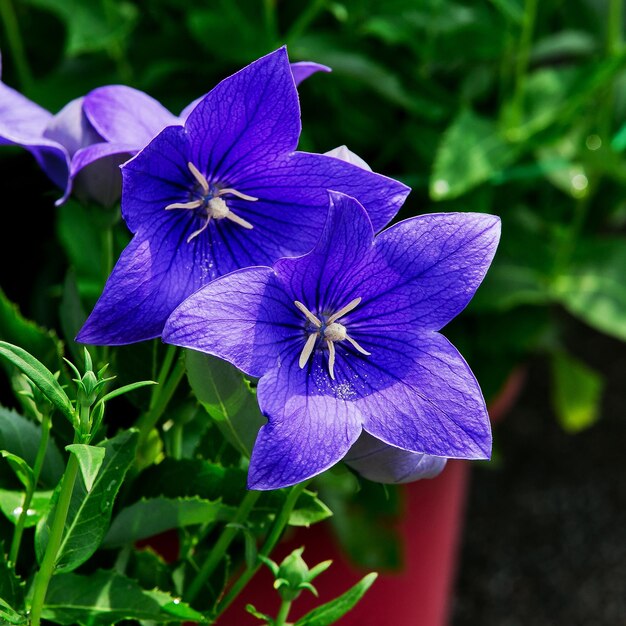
[125,389]
[40,375]
[270,621]
[21,437]
[11,505]
[576,393]
[332,611]
[21,469]
[89,459]
[471,152]
[309,509]
[90,510]
[151,517]
[227,397]
[104,598]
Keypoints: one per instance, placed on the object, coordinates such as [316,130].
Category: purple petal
[417,393]
[23,123]
[303,69]
[250,117]
[300,71]
[299,183]
[152,276]
[425,270]
[383,463]
[309,430]
[321,279]
[70,128]
[156,177]
[237,317]
[125,115]
[95,172]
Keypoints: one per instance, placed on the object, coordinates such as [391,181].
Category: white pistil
[332,332]
[213,203]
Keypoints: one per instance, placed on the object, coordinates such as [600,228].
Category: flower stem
[222,545]
[283,613]
[270,543]
[41,454]
[168,382]
[523,57]
[16,45]
[42,579]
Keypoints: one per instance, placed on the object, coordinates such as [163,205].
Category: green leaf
[309,509]
[120,391]
[21,437]
[576,393]
[21,469]
[332,611]
[270,621]
[11,595]
[151,517]
[92,26]
[594,286]
[11,505]
[225,394]
[90,510]
[89,459]
[16,329]
[40,375]
[105,598]
[471,152]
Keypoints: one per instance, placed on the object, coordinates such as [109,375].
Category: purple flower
[345,340]
[127,119]
[224,191]
[53,140]
[370,457]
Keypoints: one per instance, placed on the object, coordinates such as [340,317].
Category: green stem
[222,545]
[523,57]
[160,401]
[613,48]
[270,543]
[16,45]
[283,613]
[42,579]
[41,454]
[300,26]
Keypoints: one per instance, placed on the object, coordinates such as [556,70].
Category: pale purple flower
[226,190]
[53,140]
[345,340]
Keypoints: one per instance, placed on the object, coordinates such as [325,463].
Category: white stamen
[346,309]
[217,208]
[331,358]
[234,192]
[200,230]
[194,204]
[314,320]
[307,350]
[357,346]
[239,220]
[335,332]
[202,181]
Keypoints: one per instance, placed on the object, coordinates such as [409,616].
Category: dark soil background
[545,539]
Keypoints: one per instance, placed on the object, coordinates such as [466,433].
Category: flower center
[209,200]
[329,331]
